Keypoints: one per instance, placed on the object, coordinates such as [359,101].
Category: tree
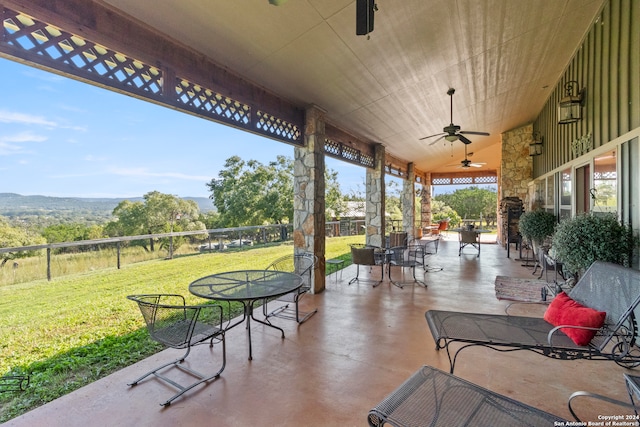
[334,199]
[440,211]
[159,213]
[71,232]
[16,237]
[471,202]
[250,193]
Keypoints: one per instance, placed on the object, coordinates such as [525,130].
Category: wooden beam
[99,23]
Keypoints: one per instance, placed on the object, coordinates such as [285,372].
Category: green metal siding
[607,66]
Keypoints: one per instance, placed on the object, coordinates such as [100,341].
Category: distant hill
[15,205]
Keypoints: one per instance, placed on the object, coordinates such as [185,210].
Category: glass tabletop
[245,285]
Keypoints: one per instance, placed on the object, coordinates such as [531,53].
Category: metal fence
[218,239]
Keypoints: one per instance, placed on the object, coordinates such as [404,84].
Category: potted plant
[537,225]
[583,239]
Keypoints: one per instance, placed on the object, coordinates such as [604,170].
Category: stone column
[308,195]
[516,169]
[375,194]
[425,203]
[408,203]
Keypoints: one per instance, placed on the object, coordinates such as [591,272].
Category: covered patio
[334,368]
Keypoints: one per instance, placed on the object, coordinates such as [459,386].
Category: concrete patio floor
[333,369]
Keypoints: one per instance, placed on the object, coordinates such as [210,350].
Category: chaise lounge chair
[605,287]
[431,397]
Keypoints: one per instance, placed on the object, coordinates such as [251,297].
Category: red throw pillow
[565,311]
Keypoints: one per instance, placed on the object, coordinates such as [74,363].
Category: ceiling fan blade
[475,165]
[465,140]
[472,132]
[441,137]
[431,136]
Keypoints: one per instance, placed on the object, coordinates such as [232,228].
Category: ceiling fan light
[451,138]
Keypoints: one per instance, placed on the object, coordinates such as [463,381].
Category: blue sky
[64,138]
[60,137]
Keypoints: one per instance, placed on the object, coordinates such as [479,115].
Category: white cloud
[29,119]
[26,119]
[10,144]
[23,137]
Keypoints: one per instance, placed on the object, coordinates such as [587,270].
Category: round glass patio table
[247,287]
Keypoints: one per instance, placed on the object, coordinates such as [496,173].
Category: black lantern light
[570,107]
[535,148]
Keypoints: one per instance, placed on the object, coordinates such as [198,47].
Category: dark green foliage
[472,202]
[537,225]
[583,239]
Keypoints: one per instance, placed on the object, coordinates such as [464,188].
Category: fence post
[118,251]
[49,264]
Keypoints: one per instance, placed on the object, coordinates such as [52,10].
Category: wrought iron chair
[14,383]
[367,255]
[302,265]
[173,323]
[432,397]
[604,287]
[469,237]
[406,256]
[632,382]
[423,249]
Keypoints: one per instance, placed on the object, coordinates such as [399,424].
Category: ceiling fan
[466,163]
[452,132]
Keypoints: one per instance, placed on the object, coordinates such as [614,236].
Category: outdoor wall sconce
[535,148]
[570,107]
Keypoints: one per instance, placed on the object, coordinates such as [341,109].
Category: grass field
[76,329]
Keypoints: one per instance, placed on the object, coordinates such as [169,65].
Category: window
[604,193]
[565,193]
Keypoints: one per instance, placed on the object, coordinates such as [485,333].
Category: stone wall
[516,169]
[517,166]
[408,203]
[308,195]
[374,217]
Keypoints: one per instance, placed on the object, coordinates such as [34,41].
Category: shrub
[537,225]
[583,239]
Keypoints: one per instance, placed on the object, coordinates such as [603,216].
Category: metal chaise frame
[605,287]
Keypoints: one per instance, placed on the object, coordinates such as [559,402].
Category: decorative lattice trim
[52,43]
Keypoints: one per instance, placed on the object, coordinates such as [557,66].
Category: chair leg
[177,363]
[377,282]
[357,274]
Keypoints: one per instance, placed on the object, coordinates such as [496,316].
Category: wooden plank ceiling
[503,57]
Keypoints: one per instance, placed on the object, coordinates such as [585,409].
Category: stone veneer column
[375,195]
[516,169]
[408,203]
[425,202]
[308,195]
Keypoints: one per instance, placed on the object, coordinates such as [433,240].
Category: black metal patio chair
[367,255]
[173,323]
[406,257]
[302,265]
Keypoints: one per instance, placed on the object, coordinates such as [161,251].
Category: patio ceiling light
[570,107]
[535,148]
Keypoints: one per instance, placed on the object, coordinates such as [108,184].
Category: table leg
[249,315]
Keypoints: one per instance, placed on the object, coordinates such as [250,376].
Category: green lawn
[74,330]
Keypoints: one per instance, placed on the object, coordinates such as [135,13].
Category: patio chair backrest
[174,324]
[300,264]
[613,289]
[363,255]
